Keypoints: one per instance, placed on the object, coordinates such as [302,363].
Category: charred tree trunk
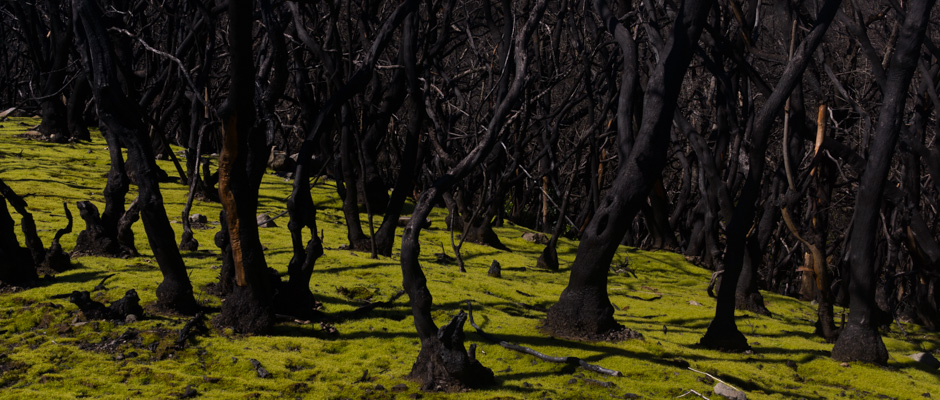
[860,340]
[723,332]
[584,309]
[242,161]
[300,205]
[443,362]
[49,45]
[411,156]
[81,93]
[118,114]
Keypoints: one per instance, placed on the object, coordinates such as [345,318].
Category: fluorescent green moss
[48,353]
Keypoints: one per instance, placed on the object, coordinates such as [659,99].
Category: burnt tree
[583,309]
[860,340]
[122,119]
[242,162]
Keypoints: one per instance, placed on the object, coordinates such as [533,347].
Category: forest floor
[48,350]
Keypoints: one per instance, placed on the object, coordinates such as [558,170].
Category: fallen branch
[713,377]
[522,349]
[187,331]
[692,392]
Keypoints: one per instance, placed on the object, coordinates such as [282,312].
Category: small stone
[495,270]
[845,364]
[379,387]
[729,392]
[927,359]
[198,218]
[572,381]
[401,387]
[262,372]
[695,303]
[791,364]
[130,318]
[189,392]
[264,221]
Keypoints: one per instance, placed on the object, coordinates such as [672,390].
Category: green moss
[46,351]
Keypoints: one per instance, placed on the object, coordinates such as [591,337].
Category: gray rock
[535,237]
[264,221]
[729,392]
[198,218]
[927,359]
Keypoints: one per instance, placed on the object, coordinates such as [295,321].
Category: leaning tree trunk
[122,119]
[859,339]
[584,309]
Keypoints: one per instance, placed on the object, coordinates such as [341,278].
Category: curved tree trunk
[584,309]
[443,361]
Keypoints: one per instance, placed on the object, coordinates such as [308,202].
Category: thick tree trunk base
[94,239]
[548,259]
[586,315]
[57,260]
[826,330]
[445,365]
[484,235]
[176,297]
[860,343]
[188,242]
[363,244]
[297,301]
[752,302]
[724,336]
[244,313]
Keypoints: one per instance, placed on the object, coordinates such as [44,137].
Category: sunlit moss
[47,352]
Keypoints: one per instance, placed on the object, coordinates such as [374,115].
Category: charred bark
[444,347]
[860,340]
[118,114]
[242,161]
[723,332]
[584,309]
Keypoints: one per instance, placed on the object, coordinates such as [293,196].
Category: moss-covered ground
[48,351]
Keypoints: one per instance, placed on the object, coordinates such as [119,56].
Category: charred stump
[444,364]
